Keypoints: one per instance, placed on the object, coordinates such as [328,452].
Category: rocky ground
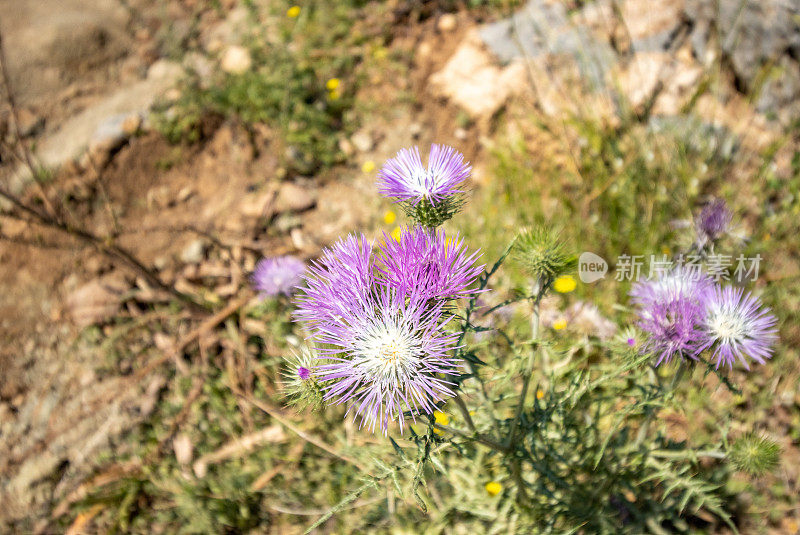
[87,73]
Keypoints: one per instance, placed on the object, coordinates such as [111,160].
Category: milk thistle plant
[515,429]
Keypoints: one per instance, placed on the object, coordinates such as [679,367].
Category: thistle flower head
[377,322]
[738,327]
[435,266]
[277,275]
[713,220]
[341,279]
[671,309]
[386,358]
[673,328]
[754,454]
[680,282]
[300,384]
[430,195]
[542,253]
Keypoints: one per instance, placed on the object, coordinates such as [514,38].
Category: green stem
[477,437]
[672,385]
[526,377]
[668,454]
[462,407]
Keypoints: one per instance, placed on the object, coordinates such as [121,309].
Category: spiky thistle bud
[300,384]
[428,214]
[541,252]
[754,454]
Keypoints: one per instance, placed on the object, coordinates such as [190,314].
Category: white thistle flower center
[726,324]
[389,353]
[421,182]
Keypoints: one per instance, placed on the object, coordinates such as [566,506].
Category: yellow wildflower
[332,84]
[389,217]
[293,12]
[441,418]
[564,284]
[493,488]
[396,233]
[539,394]
[560,324]
[368,166]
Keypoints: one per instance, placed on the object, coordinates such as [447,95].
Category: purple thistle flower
[671,310]
[427,262]
[278,275]
[336,283]
[405,179]
[739,326]
[377,323]
[385,358]
[631,342]
[673,327]
[713,220]
[679,282]
[303,373]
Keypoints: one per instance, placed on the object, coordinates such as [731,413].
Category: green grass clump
[288,87]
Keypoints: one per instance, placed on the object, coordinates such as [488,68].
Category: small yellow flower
[332,84]
[767,236]
[539,394]
[380,53]
[560,324]
[334,95]
[293,12]
[564,284]
[389,217]
[493,488]
[665,250]
[368,166]
[441,418]
[396,233]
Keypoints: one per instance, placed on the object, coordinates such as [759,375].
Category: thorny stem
[465,412]
[667,454]
[477,437]
[311,439]
[526,378]
[516,468]
[672,385]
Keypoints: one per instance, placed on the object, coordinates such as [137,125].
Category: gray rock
[753,35]
[109,134]
[76,133]
[472,79]
[542,29]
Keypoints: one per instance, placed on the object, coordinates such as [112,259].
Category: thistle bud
[428,214]
[300,385]
[754,454]
[541,253]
